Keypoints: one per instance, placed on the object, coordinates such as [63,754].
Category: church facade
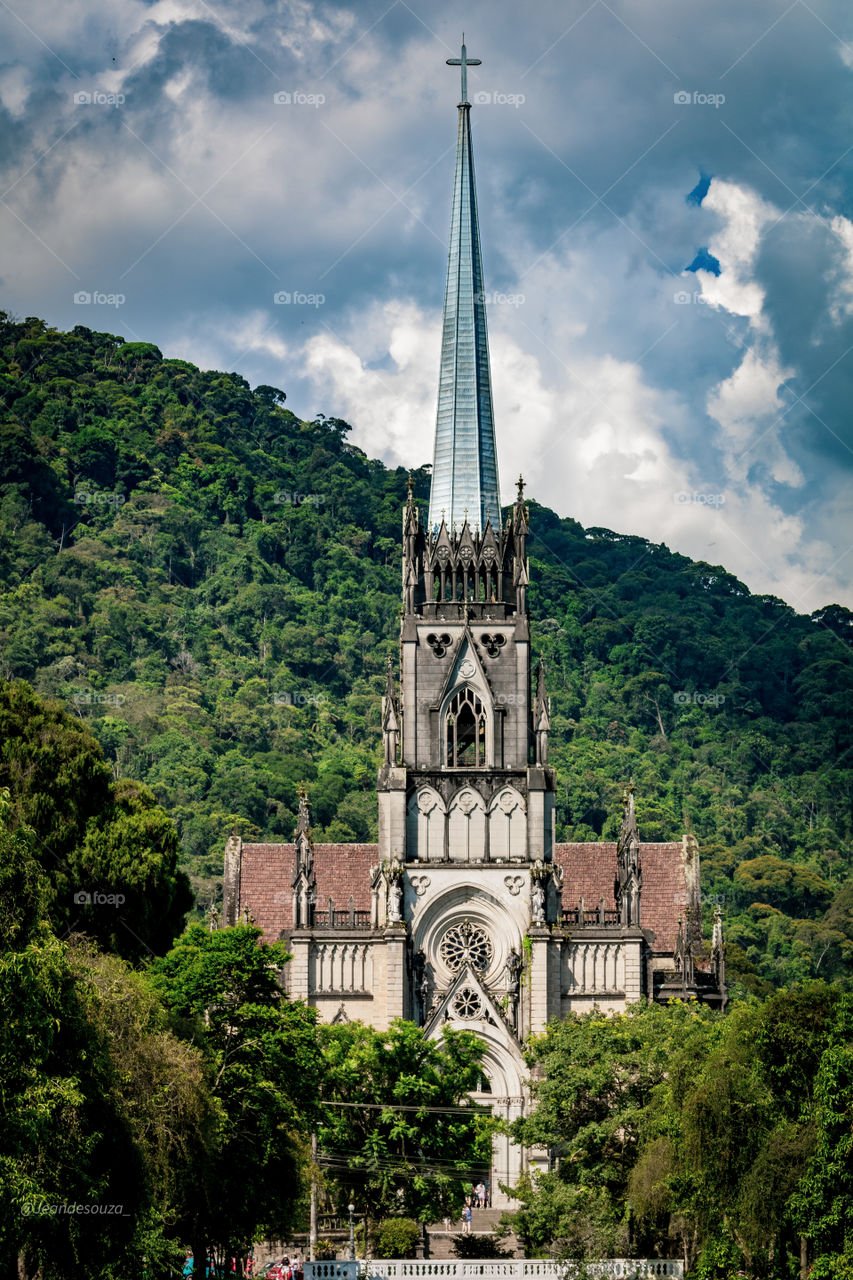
[467,912]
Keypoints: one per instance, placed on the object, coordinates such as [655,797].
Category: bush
[479,1247]
[397,1238]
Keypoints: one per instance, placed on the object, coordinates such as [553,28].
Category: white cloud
[735,245]
[14,89]
[392,407]
[590,444]
[842,304]
[749,408]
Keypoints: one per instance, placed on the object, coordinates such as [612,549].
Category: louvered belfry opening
[465,725]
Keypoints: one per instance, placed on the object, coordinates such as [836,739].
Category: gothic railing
[590,919]
[341,918]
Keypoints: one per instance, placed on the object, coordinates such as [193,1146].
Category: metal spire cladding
[465,466]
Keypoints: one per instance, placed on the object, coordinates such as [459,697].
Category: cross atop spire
[464,62]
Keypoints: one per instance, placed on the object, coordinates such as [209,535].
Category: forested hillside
[213,586]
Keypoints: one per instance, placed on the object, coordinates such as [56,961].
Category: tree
[730,1132]
[599,1075]
[160,1086]
[102,1109]
[132,852]
[109,851]
[63,1143]
[397,1134]
[397,1238]
[265,1070]
[823,1204]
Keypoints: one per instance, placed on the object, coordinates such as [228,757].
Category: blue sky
[186,161]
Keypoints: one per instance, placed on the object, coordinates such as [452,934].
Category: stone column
[538,979]
[396,978]
[391,795]
[231,881]
[632,950]
[298,969]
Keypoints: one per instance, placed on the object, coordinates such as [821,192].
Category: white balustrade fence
[491,1269]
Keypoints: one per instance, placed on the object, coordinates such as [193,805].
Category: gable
[467,670]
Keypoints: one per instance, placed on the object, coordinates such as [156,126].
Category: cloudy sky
[666,217]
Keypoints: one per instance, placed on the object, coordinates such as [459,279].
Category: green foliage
[108,851]
[23,884]
[479,1246]
[680,1132]
[212,585]
[65,1140]
[388,1160]
[102,1108]
[823,1204]
[265,1069]
[397,1238]
[600,1073]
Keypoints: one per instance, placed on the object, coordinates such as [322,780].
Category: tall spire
[465,468]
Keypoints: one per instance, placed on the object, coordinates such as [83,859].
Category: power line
[395,1106]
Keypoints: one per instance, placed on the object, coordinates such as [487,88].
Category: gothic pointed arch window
[465,731]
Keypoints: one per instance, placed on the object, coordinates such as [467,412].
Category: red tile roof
[342,871]
[266,871]
[589,872]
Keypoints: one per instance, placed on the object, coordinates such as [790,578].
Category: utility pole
[312,1225]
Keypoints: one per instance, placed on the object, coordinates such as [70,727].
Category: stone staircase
[482,1224]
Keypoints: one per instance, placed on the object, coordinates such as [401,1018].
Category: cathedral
[467,912]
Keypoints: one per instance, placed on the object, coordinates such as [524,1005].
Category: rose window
[466,1003]
[466,943]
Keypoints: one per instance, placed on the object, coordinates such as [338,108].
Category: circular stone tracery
[466,943]
[466,1003]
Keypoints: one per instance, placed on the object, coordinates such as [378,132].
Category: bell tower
[468,719]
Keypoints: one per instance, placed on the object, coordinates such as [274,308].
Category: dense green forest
[213,587]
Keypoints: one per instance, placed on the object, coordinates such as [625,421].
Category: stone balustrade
[494,1269]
